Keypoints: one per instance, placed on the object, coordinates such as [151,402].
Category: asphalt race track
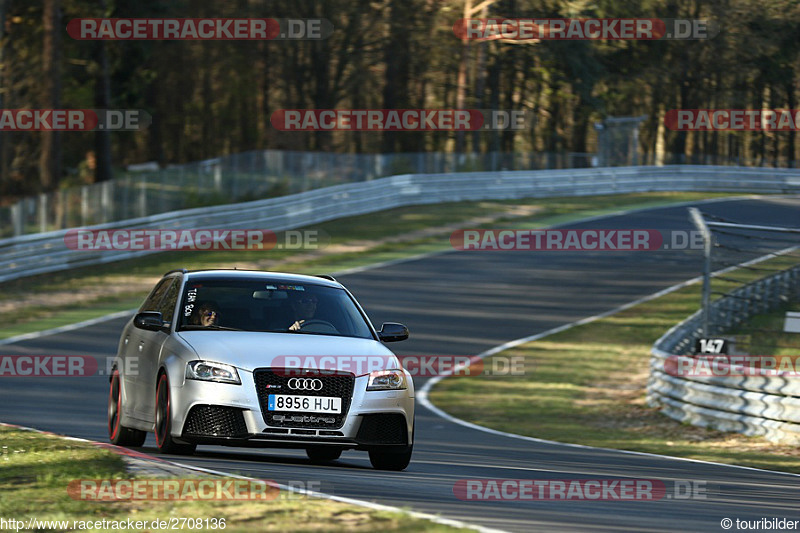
[463,303]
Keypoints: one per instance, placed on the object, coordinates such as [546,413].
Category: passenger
[206,314]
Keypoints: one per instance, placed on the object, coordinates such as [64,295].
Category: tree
[50,158]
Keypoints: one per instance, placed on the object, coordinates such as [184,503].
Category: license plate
[304,404]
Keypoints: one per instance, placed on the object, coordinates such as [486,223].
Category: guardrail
[147,190]
[758,405]
[46,252]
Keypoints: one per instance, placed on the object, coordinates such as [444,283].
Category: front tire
[164,439]
[117,433]
[394,460]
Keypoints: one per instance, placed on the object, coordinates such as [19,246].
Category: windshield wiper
[213,326]
[300,331]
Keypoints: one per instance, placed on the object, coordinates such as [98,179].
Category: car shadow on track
[215,457]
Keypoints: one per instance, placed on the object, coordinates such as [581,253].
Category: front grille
[215,421]
[276,381]
[383,429]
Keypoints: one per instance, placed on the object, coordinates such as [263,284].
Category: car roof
[260,274]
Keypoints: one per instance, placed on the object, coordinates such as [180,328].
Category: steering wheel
[322,326]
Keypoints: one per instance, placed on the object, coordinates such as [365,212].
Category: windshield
[273,306]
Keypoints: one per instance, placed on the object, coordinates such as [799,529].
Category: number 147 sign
[711,346]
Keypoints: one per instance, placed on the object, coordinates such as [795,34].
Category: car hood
[249,350]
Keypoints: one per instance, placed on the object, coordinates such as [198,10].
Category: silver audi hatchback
[249,358]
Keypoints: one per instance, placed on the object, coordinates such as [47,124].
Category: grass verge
[36,470]
[52,300]
[587,386]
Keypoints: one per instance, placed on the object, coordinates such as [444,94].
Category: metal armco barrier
[46,252]
[767,406]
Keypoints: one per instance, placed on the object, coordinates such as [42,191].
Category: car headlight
[387,380]
[209,371]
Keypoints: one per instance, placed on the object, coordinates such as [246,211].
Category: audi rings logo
[305,384]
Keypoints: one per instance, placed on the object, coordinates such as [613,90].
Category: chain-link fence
[269,173]
[242,177]
[731,246]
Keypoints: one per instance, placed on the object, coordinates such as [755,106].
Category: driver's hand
[296,326]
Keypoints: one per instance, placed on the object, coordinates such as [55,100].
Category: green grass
[56,299]
[586,385]
[31,319]
[36,469]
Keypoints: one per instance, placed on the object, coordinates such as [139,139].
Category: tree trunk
[461,81]
[102,100]
[792,101]
[50,157]
[4,141]
[397,58]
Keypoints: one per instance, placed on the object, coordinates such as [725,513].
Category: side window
[151,303]
[167,305]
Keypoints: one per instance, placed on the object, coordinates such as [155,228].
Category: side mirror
[149,320]
[393,332]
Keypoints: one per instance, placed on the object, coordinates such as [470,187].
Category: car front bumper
[231,415]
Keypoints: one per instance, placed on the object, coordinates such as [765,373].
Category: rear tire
[391,459]
[164,440]
[323,454]
[117,433]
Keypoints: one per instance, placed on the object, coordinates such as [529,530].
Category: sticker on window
[291,287]
[191,297]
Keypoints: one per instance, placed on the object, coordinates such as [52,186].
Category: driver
[304,307]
